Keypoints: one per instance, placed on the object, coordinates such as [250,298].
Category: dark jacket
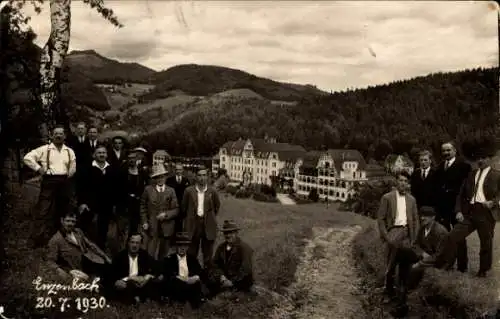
[211,208]
[235,264]
[491,189]
[170,267]
[423,189]
[146,264]
[100,190]
[179,188]
[116,162]
[448,183]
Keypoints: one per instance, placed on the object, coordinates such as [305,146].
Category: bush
[313,195]
[366,198]
[230,189]
[243,193]
[261,197]
[300,199]
[268,190]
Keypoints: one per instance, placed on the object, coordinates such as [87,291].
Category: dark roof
[308,171]
[310,159]
[262,148]
[340,156]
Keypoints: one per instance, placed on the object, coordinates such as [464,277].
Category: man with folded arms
[134,273]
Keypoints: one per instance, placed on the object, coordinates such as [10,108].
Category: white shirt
[117,153]
[479,197]
[183,266]
[103,169]
[160,189]
[401,218]
[427,231]
[60,162]
[81,139]
[179,179]
[201,200]
[133,269]
[93,143]
[448,163]
[71,236]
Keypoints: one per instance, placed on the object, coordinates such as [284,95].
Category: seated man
[71,254]
[181,274]
[134,273]
[430,237]
[231,268]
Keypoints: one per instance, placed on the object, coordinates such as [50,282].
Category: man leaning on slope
[398,224]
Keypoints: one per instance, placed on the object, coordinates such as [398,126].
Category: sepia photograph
[249,159]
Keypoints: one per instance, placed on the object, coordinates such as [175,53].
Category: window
[274,164]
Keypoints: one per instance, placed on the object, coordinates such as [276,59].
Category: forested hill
[397,117]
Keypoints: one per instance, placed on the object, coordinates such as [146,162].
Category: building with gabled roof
[333,172]
[262,158]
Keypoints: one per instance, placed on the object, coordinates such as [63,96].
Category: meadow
[277,233]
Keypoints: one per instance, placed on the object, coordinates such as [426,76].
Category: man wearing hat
[158,209]
[477,208]
[200,206]
[231,267]
[430,238]
[182,274]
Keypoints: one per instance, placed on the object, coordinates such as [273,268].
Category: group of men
[425,220]
[166,219]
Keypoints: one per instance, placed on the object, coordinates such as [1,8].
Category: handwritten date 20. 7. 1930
[83,304]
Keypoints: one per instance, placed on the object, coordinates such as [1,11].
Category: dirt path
[326,282]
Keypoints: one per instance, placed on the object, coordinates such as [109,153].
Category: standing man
[422,181]
[449,178]
[477,208]
[93,133]
[56,164]
[201,204]
[117,152]
[159,208]
[99,196]
[179,183]
[398,224]
[79,143]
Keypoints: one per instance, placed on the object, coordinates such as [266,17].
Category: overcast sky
[334,45]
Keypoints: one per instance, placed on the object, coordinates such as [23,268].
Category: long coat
[152,204]
[211,208]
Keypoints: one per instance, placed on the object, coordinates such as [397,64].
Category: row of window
[255,179]
[259,162]
[321,191]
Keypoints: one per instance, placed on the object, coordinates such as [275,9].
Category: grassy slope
[464,296]
[276,232]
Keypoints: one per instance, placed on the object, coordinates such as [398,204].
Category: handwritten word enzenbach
[54,288]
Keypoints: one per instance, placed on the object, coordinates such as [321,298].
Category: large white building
[260,158]
[333,173]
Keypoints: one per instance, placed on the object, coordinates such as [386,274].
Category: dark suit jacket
[114,161]
[100,189]
[423,189]
[448,184]
[170,267]
[178,187]
[120,266]
[433,241]
[387,213]
[211,208]
[235,264]
[491,189]
[154,203]
[83,152]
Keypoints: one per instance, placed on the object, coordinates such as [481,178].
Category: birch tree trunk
[51,61]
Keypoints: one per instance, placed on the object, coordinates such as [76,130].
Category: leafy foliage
[400,117]
[367,196]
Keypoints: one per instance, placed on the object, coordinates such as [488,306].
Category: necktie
[476,185]
[178,179]
[423,173]
[81,139]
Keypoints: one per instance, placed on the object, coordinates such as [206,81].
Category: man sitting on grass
[72,255]
[231,268]
[182,274]
[134,273]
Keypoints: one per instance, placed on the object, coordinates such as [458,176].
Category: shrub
[261,197]
[243,193]
[300,199]
[313,195]
[366,198]
[230,189]
[268,190]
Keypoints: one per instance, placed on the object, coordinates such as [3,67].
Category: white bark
[52,58]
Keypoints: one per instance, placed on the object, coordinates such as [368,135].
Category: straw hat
[182,238]
[140,149]
[158,170]
[229,226]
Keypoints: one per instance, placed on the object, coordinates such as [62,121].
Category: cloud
[322,43]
